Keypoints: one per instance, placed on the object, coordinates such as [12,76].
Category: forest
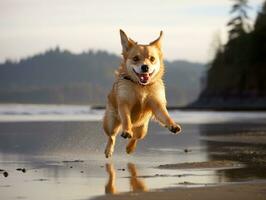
[236,75]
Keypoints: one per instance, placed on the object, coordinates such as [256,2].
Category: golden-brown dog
[137,94]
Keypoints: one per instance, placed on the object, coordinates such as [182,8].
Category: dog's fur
[136,96]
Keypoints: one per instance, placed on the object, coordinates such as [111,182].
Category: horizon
[29,27]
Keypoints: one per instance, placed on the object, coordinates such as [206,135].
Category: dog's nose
[145,68]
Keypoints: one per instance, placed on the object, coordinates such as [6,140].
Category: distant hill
[59,76]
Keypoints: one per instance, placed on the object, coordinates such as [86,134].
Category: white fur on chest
[142,97]
[127,91]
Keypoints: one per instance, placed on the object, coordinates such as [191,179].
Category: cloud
[27,26]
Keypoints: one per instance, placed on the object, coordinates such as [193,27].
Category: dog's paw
[131,147]
[126,135]
[129,150]
[175,129]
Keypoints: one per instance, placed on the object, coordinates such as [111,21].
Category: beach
[254,191]
[57,153]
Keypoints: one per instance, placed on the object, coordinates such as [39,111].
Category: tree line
[59,76]
[237,72]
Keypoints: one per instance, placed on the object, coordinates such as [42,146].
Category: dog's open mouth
[143,77]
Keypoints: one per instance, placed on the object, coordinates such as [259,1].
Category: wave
[42,112]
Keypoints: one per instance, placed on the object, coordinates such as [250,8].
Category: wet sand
[221,164]
[256,191]
[241,156]
[64,160]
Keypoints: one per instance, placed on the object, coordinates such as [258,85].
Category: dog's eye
[135,59]
[152,59]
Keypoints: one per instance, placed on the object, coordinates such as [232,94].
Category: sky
[28,27]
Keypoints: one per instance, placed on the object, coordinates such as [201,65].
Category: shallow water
[44,140]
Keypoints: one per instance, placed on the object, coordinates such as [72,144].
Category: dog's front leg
[161,114]
[124,114]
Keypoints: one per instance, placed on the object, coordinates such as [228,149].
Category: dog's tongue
[144,78]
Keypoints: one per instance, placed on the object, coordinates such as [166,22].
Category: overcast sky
[32,26]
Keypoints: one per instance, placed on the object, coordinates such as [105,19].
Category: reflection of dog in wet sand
[137,94]
[136,184]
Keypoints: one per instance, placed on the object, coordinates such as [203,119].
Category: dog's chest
[142,97]
[140,111]
[141,103]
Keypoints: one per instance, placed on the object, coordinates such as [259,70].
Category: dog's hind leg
[109,149]
[131,146]
[111,126]
[138,133]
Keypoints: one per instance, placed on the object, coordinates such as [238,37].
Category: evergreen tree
[260,23]
[239,24]
[236,76]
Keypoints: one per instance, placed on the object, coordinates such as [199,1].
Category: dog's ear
[158,41]
[126,42]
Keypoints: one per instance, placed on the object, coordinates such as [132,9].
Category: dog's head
[143,63]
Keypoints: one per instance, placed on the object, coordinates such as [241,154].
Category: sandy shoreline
[249,191]
[64,160]
[249,152]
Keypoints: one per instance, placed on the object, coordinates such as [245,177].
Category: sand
[64,160]
[249,151]
[202,165]
[254,191]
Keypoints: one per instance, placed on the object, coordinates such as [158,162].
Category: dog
[137,95]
